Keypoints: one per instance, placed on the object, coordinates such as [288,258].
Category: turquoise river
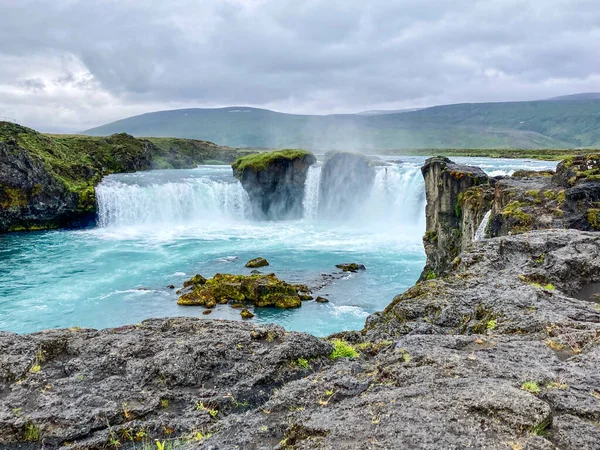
[158,228]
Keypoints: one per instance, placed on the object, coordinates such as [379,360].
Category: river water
[159,228]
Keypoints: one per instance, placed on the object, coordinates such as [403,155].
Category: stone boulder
[351,267]
[256,263]
[274,182]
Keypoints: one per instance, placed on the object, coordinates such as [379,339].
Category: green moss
[12,197]
[431,237]
[261,161]
[32,433]
[593,218]
[520,221]
[458,206]
[341,349]
[431,275]
[302,363]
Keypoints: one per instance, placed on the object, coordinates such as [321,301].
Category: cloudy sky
[68,65]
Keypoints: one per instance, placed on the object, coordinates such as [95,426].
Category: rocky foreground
[496,348]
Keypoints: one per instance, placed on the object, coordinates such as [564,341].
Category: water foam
[185,201]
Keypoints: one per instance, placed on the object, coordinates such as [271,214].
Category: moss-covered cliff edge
[49,181]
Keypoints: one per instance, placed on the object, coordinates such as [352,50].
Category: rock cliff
[274,182]
[451,219]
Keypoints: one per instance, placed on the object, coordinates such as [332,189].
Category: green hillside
[555,123]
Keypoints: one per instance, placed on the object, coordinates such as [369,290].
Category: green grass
[341,349]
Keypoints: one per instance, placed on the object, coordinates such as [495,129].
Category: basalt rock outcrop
[570,198]
[346,180]
[274,182]
[451,220]
[459,197]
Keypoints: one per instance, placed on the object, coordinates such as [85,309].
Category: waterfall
[481,229]
[163,199]
[181,201]
[396,198]
[310,202]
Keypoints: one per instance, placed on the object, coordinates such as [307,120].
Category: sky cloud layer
[68,65]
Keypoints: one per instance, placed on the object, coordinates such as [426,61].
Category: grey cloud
[101,60]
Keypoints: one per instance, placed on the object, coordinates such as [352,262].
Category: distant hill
[554,123]
[577,97]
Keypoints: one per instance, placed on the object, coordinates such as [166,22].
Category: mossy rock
[261,161]
[196,280]
[256,263]
[246,314]
[593,218]
[260,290]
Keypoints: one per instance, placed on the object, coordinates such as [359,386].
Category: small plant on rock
[32,432]
[341,349]
[531,386]
[303,363]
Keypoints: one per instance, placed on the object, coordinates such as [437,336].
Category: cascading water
[311,192]
[481,229]
[396,197]
[127,201]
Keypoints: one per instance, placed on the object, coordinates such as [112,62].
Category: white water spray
[310,202]
[186,201]
[480,233]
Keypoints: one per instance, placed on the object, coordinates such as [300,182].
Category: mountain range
[561,122]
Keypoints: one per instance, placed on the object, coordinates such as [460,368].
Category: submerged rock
[351,267]
[275,182]
[260,290]
[246,314]
[257,262]
[320,299]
